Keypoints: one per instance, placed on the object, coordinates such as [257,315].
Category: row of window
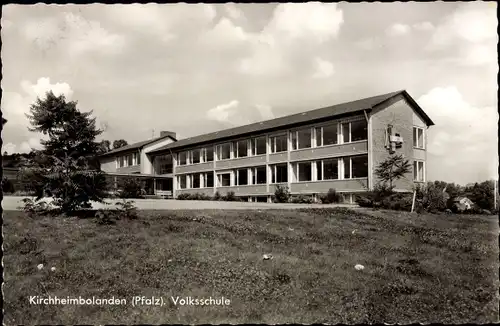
[332,134]
[128,160]
[329,169]
[318,170]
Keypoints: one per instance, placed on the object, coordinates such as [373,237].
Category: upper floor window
[224,151]
[279,143]
[208,154]
[182,158]
[195,156]
[259,145]
[418,137]
[241,148]
[355,167]
[163,164]
[327,169]
[301,139]
[326,135]
[354,131]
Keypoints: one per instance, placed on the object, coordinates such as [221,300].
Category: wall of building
[402,117]
[108,164]
[147,160]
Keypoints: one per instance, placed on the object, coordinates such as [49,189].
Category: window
[330,135]
[418,171]
[182,158]
[134,159]
[181,182]
[195,180]
[241,148]
[294,140]
[418,137]
[208,154]
[138,158]
[359,166]
[345,132]
[259,146]
[330,170]
[318,135]
[224,151]
[224,179]
[242,177]
[304,171]
[195,156]
[208,179]
[163,164]
[304,138]
[359,130]
[259,175]
[347,167]
[279,173]
[278,143]
[130,160]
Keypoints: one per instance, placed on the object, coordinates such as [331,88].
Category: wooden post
[413,201]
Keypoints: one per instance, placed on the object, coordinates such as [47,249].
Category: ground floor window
[195,180]
[259,175]
[304,171]
[182,181]
[208,179]
[242,177]
[279,173]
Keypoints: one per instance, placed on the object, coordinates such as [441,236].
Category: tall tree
[67,167]
[392,169]
[119,143]
[104,146]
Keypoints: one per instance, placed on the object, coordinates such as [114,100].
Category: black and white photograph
[250,163]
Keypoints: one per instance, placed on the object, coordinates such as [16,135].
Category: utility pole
[495,193]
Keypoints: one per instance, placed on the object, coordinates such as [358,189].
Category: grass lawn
[418,268]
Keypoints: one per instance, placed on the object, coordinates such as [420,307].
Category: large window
[241,148]
[182,158]
[259,175]
[195,180]
[259,145]
[359,130]
[330,169]
[224,179]
[326,135]
[304,138]
[304,171]
[181,181]
[135,158]
[224,151]
[346,134]
[278,143]
[208,179]
[242,177]
[208,154]
[359,166]
[195,156]
[418,137]
[279,173]
[163,164]
[419,171]
[130,160]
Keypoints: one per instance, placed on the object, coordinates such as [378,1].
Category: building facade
[337,147]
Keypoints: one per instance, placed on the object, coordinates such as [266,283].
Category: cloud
[423,26]
[265,111]
[222,112]
[398,29]
[163,21]
[73,34]
[43,85]
[233,12]
[464,136]
[324,68]
[24,147]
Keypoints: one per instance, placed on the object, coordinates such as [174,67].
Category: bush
[131,188]
[106,217]
[230,196]
[217,196]
[7,186]
[332,197]
[183,196]
[127,209]
[301,199]
[281,194]
[32,207]
[431,198]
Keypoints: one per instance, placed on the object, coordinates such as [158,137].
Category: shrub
[431,198]
[230,196]
[7,185]
[217,196]
[32,207]
[105,217]
[332,197]
[131,188]
[127,208]
[183,196]
[301,199]
[281,194]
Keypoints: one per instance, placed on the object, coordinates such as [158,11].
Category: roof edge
[414,103]
[120,150]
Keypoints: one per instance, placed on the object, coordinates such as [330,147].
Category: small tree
[67,168]
[282,194]
[104,146]
[392,169]
[119,143]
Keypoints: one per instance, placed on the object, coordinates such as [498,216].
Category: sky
[198,68]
